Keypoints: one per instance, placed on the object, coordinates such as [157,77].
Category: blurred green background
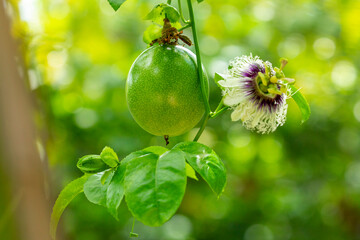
[300,183]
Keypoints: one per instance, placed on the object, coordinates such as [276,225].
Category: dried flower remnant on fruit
[170,35]
[257,93]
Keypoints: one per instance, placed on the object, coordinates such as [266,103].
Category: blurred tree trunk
[19,157]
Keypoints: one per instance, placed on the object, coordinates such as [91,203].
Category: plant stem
[217,113]
[184,27]
[132,234]
[221,103]
[198,59]
[220,109]
[181,13]
[200,73]
[202,128]
[133,225]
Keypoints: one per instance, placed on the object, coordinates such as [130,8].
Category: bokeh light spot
[324,48]
[85,118]
[258,232]
[178,228]
[352,175]
[56,59]
[344,74]
[349,139]
[264,11]
[292,46]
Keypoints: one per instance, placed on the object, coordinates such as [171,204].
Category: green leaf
[95,191]
[190,172]
[155,185]
[151,33]
[199,1]
[115,4]
[153,149]
[115,191]
[65,197]
[105,176]
[91,164]
[302,103]
[205,162]
[158,13]
[109,157]
[156,149]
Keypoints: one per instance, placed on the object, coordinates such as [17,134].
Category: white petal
[236,114]
[230,82]
[232,99]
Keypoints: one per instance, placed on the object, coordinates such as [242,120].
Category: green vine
[205,95]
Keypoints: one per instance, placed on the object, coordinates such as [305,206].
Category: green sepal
[115,4]
[301,102]
[65,197]
[206,163]
[109,157]
[157,14]
[217,78]
[91,164]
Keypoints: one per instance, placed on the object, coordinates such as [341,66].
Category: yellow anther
[273,79]
[267,70]
[283,89]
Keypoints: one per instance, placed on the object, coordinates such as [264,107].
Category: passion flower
[257,93]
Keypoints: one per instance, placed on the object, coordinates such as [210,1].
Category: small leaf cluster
[157,15]
[152,180]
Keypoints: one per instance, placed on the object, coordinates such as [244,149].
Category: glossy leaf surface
[155,185]
[205,162]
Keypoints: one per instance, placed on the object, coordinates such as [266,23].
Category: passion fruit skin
[163,91]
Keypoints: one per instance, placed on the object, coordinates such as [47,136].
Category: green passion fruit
[163,91]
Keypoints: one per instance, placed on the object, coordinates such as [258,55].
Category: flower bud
[91,164]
